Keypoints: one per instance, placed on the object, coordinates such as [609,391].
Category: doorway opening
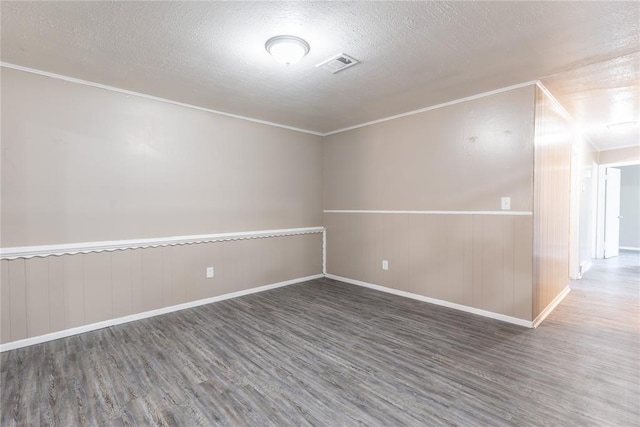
[618,209]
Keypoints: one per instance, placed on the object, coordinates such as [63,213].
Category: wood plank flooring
[328,353]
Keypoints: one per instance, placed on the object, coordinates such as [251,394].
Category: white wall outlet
[209,272]
[385,264]
[505,203]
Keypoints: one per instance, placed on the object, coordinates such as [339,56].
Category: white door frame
[601,200]
[612,212]
[594,209]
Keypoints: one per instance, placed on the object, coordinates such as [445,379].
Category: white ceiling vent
[338,63]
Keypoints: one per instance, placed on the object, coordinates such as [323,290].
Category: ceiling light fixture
[622,125]
[287,49]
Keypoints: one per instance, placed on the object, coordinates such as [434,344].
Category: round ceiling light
[287,49]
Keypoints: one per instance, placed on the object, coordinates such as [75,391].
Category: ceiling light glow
[287,49]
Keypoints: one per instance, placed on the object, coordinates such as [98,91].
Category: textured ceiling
[413,54]
[599,94]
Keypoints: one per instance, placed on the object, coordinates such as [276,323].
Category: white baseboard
[485,313]
[629,248]
[138,316]
[552,305]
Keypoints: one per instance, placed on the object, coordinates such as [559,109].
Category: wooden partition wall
[551,209]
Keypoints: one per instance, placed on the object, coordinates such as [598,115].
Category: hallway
[601,315]
[609,292]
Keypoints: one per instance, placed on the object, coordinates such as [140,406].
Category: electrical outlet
[505,203]
[385,264]
[209,272]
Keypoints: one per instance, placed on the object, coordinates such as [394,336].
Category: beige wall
[584,185]
[552,186]
[82,164]
[86,164]
[619,155]
[50,294]
[464,157]
[588,195]
[480,261]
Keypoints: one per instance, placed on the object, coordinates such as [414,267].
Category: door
[612,212]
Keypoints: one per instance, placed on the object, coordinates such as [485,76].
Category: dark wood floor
[328,353]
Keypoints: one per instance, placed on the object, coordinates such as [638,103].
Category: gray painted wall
[630,206]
